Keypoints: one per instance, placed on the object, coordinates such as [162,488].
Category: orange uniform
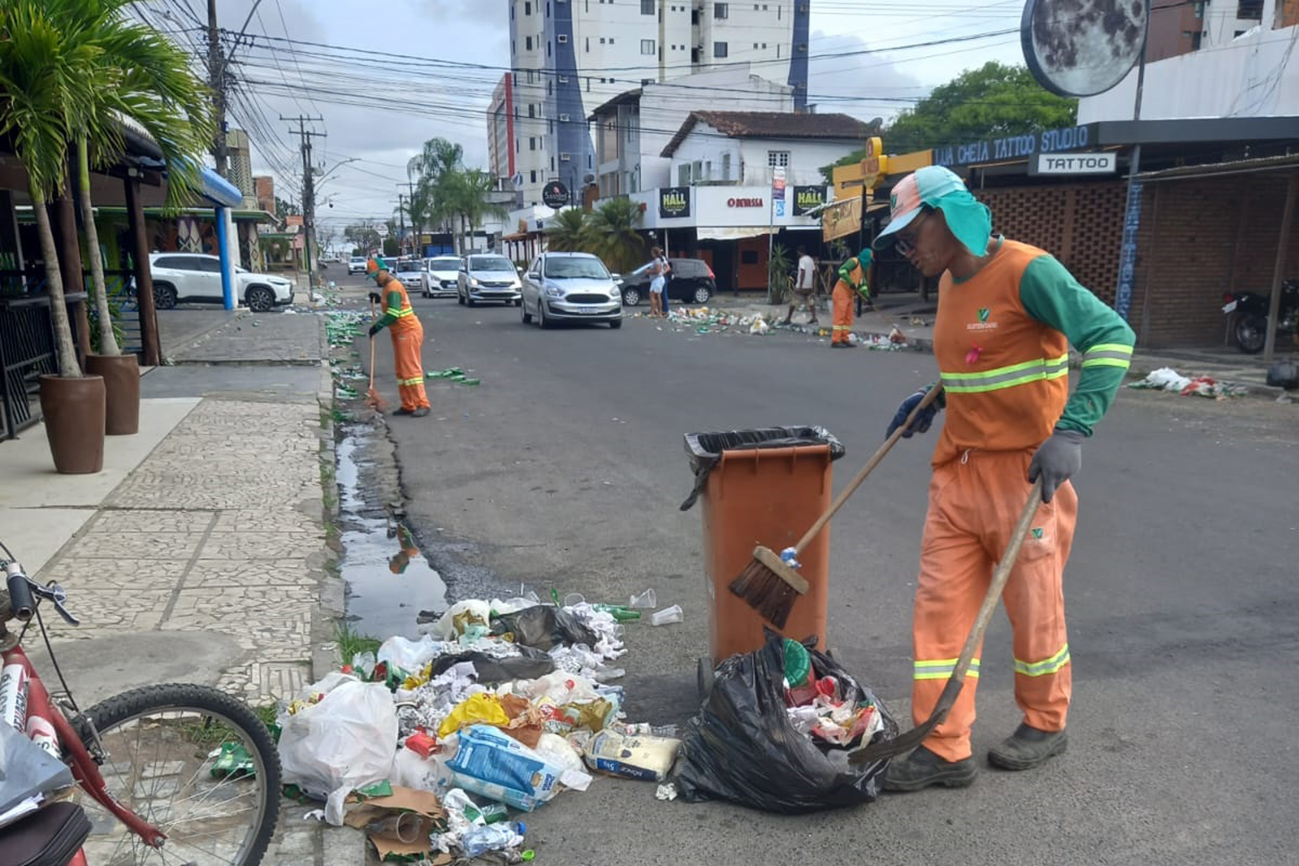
[852,279]
[1001,339]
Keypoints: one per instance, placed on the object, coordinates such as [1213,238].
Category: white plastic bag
[407,654]
[345,741]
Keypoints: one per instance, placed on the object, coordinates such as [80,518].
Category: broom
[372,398]
[770,582]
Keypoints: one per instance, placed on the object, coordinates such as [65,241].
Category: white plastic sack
[407,654]
[346,741]
[445,628]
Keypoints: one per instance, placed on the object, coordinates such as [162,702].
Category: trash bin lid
[705,449]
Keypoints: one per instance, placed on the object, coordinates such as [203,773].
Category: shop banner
[674,202]
[808,197]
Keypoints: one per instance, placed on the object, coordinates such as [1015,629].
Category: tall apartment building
[568,57]
[1195,25]
[241,166]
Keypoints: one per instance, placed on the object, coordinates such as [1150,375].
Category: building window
[516,145]
[562,38]
[527,43]
[721,10]
[720,49]
[726,166]
[601,40]
[683,174]
[527,8]
[550,87]
[552,163]
[647,46]
[1251,10]
[563,79]
[1195,39]
[588,47]
[647,7]
[532,143]
[532,110]
[563,118]
[777,158]
[533,175]
[697,171]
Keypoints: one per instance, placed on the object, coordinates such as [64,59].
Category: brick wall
[1199,239]
[1080,224]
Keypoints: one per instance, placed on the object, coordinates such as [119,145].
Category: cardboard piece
[425,805]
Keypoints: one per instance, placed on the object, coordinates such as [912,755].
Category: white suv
[192,277]
[356,265]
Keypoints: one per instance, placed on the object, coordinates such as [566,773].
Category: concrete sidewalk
[202,553]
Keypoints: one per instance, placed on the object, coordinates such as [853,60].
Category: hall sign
[1015,146]
[1074,163]
[808,197]
[746,202]
[674,201]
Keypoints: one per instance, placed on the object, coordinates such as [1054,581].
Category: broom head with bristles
[769,586]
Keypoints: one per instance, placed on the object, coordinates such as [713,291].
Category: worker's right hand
[375,299]
[923,420]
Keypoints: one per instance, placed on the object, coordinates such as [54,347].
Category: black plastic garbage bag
[705,449]
[544,626]
[492,670]
[742,747]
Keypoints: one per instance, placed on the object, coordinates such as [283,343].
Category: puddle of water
[389,581]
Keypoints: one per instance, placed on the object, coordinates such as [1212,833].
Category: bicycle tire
[112,713]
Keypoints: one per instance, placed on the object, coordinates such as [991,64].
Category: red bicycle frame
[84,768]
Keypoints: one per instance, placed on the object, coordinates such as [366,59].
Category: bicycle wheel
[194,762]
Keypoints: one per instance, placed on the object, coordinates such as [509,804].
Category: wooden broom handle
[821,521]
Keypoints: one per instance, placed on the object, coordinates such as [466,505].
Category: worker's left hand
[1056,461]
[375,299]
[374,329]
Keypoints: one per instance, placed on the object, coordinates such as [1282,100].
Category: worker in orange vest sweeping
[851,283]
[407,337]
[1007,313]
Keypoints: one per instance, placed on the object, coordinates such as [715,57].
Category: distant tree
[568,232]
[285,209]
[992,101]
[363,236]
[614,235]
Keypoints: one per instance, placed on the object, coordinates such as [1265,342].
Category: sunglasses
[905,243]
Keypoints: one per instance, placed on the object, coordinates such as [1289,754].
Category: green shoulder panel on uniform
[1051,295]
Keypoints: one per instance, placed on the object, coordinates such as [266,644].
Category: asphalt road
[566,469]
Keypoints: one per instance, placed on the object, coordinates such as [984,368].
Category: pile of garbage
[452,374]
[1168,379]
[706,320]
[427,744]
[344,326]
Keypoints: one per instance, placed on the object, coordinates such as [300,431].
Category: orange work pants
[406,346]
[844,298]
[974,503]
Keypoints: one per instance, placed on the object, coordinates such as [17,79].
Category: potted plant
[43,75]
[143,78]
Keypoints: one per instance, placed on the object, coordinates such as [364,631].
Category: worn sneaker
[1027,747]
[923,768]
[420,412]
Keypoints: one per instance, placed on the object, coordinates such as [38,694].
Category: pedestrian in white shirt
[804,288]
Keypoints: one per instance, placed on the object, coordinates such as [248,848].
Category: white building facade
[1241,69]
[569,56]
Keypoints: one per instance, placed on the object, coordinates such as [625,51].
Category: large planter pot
[74,422]
[122,386]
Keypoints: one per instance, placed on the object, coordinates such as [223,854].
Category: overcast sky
[393,58]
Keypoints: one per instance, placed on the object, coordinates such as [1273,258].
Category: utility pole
[415,244]
[216,80]
[308,194]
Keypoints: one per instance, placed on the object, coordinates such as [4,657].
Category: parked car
[570,287]
[356,265]
[192,277]
[443,276]
[485,277]
[691,281]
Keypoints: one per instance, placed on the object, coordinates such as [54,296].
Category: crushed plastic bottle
[492,837]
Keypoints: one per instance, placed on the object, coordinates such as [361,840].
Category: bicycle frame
[84,768]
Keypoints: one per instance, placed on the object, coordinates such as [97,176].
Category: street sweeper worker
[407,337]
[1007,313]
[851,283]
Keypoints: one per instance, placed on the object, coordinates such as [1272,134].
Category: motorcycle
[1249,329]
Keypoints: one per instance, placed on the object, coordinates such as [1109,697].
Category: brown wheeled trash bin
[763,487]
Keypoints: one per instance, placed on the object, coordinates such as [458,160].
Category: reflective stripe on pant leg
[954,574]
[842,313]
[1034,600]
[410,370]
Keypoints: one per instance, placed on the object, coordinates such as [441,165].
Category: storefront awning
[733,233]
[1219,169]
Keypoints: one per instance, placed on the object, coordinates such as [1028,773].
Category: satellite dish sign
[1083,47]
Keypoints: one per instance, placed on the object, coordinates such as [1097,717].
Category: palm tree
[46,79]
[614,236]
[144,78]
[467,194]
[434,168]
[568,232]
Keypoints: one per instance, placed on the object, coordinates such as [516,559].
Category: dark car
[691,281]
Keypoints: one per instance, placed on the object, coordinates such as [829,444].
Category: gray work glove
[1056,461]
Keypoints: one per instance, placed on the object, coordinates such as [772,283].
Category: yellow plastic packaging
[478,709]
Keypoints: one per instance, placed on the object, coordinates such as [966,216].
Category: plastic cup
[645,599]
[573,599]
[667,615]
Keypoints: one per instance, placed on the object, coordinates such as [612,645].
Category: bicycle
[173,774]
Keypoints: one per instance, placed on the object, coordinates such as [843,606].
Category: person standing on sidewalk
[1007,313]
[804,287]
[851,284]
[407,337]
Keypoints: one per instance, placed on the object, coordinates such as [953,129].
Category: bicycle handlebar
[21,600]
